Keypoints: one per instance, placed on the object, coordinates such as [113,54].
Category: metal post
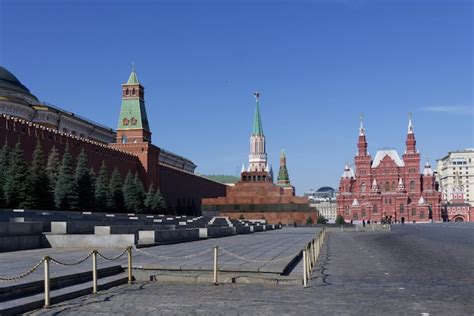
[305,275]
[130,265]
[308,266]
[94,272]
[46,282]
[216,254]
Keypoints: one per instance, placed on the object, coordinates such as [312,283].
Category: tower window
[133,91]
[362,187]
[387,186]
[127,92]
[124,139]
[412,185]
[133,121]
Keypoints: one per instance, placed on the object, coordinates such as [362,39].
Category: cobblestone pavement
[414,270]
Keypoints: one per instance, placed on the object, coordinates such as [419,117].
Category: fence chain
[59,263]
[259,261]
[170,257]
[21,276]
[112,258]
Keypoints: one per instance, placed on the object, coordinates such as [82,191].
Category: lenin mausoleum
[27,120]
[256,196]
[387,186]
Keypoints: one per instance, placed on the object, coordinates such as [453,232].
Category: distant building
[255,196]
[457,209]
[322,194]
[459,163]
[324,200]
[388,186]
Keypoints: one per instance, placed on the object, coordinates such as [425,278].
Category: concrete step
[36,301]
[15,291]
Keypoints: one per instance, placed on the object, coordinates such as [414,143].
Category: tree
[102,194]
[4,159]
[116,192]
[65,192]
[52,169]
[129,192]
[140,193]
[321,220]
[309,221]
[340,220]
[148,204]
[39,195]
[16,185]
[84,184]
[159,203]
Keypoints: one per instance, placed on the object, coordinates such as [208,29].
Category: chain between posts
[23,275]
[310,255]
[68,264]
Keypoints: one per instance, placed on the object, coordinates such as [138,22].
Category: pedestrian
[363,222]
[403,220]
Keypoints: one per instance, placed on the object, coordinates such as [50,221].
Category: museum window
[387,186]
[355,216]
[375,209]
[393,185]
[362,187]
[422,214]
[413,211]
[363,214]
[412,185]
[402,209]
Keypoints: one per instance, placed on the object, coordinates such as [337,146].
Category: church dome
[326,189]
[9,83]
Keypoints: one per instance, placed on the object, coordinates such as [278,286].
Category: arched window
[402,208]
[133,91]
[393,186]
[125,121]
[412,185]
[127,92]
[387,186]
[362,187]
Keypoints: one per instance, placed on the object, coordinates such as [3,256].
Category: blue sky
[317,64]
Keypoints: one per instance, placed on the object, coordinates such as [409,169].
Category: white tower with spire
[258,155]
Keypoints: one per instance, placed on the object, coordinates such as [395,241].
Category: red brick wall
[288,218]
[14,130]
[188,188]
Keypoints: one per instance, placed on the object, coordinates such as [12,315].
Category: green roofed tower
[283,177]
[133,122]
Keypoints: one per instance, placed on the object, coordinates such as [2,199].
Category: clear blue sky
[318,65]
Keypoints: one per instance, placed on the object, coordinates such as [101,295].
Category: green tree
[39,195]
[84,185]
[159,203]
[321,220]
[116,192]
[16,185]
[340,220]
[148,203]
[52,169]
[141,194]
[130,194]
[309,221]
[102,194]
[4,159]
[65,192]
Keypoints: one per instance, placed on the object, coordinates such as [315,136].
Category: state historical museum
[387,186]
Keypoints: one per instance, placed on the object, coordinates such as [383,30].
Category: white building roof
[392,153]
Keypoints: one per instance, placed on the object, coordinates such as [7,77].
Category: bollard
[305,275]
[46,282]
[129,265]
[216,253]
[94,272]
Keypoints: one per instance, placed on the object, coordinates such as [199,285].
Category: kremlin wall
[26,120]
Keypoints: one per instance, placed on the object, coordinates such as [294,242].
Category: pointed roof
[427,171]
[361,128]
[355,202]
[132,79]
[257,121]
[410,124]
